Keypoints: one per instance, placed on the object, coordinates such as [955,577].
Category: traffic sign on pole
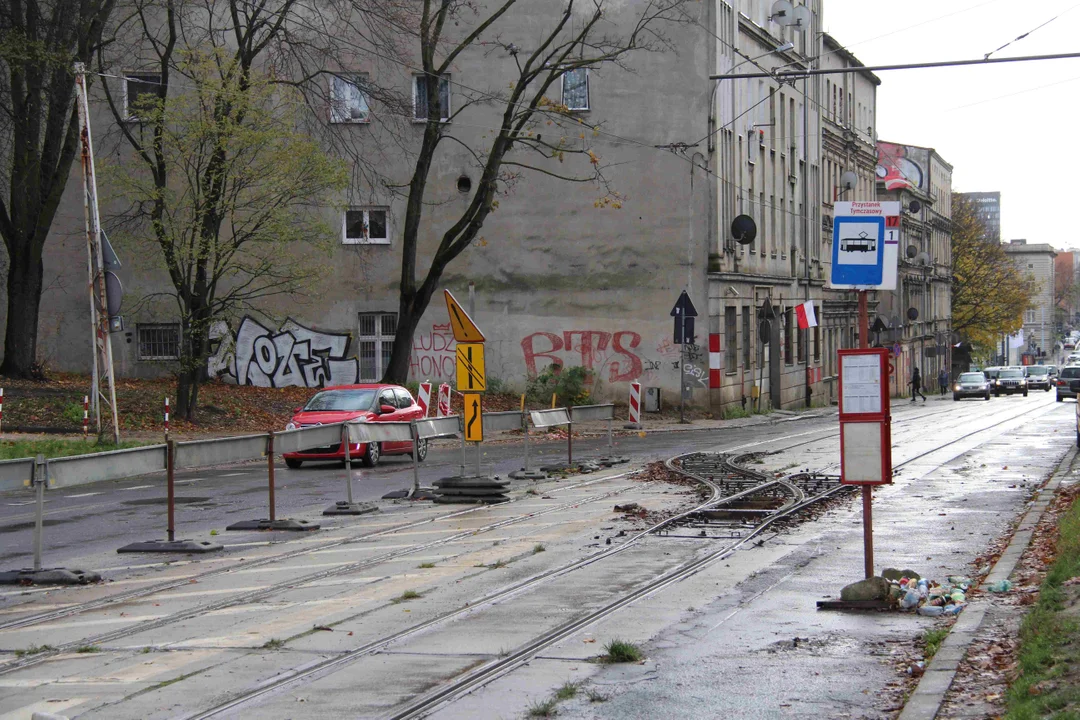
[470,368]
[684,313]
[464,328]
[857,251]
[474,424]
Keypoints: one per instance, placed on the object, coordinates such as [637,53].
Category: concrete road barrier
[363,432]
[290,441]
[220,451]
[114,465]
[16,474]
[496,421]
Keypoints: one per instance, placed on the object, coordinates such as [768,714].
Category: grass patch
[213,532]
[1048,684]
[596,696]
[531,491]
[273,644]
[88,649]
[545,708]
[538,548]
[734,413]
[567,691]
[496,565]
[59,447]
[426,566]
[932,640]
[33,650]
[620,651]
[407,595]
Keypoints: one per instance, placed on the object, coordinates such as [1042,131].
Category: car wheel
[955,396]
[1025,393]
[1047,389]
[371,455]
[987,396]
[294,464]
[1059,398]
[421,451]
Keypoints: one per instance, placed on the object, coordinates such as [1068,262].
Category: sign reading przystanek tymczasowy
[859,223]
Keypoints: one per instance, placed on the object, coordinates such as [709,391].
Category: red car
[375,403]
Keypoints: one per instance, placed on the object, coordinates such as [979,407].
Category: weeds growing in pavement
[733,413]
[545,708]
[273,644]
[34,650]
[596,696]
[426,566]
[620,651]
[407,595]
[567,691]
[932,639]
[538,548]
[88,649]
[52,448]
[496,565]
[531,491]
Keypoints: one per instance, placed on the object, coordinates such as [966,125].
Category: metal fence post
[570,442]
[40,477]
[348,464]
[170,472]
[348,506]
[270,471]
[415,460]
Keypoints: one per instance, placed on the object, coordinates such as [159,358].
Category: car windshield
[973,377]
[1038,370]
[1011,374]
[342,400]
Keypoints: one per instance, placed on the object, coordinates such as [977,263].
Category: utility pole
[95,263]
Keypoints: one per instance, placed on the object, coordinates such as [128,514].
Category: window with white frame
[140,94]
[421,112]
[159,341]
[348,101]
[366,226]
[375,342]
[575,89]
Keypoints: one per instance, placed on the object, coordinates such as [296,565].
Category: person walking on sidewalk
[943,381]
[916,384]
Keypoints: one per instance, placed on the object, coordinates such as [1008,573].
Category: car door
[410,410]
[388,397]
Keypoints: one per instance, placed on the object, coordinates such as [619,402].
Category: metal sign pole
[462,446]
[527,466]
[682,371]
[477,459]
[570,443]
[415,463]
[270,471]
[170,471]
[867,490]
[40,471]
[348,464]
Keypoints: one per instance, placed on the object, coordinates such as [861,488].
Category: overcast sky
[1010,127]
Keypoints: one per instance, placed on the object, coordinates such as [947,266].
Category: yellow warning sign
[470,368]
[474,421]
[464,328]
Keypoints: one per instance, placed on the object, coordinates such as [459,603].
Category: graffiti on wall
[433,354]
[291,355]
[901,166]
[595,350]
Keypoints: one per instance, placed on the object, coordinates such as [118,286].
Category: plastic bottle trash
[924,589]
[931,610]
[1000,587]
[953,609]
[911,600]
[959,580]
[958,596]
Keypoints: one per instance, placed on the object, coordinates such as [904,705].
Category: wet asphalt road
[97,518]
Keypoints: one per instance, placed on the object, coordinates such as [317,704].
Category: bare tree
[40,40]
[571,42]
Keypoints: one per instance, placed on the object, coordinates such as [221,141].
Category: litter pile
[907,590]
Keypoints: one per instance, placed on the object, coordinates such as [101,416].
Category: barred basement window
[731,339]
[575,89]
[140,95]
[375,342]
[159,341]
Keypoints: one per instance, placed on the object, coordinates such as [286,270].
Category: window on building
[365,226]
[731,339]
[375,341]
[748,342]
[789,332]
[575,89]
[140,94]
[817,344]
[159,341]
[802,337]
[348,101]
[421,112]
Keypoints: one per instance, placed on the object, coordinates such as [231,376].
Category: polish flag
[806,316]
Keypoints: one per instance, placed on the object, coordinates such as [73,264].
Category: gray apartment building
[988,209]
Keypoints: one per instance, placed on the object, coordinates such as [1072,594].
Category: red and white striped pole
[166,419]
[635,406]
[423,398]
[85,417]
[444,400]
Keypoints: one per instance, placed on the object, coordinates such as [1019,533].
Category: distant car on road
[1009,381]
[1038,377]
[373,403]
[971,384]
[1068,382]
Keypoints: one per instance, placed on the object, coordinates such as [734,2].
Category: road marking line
[138,487]
[235,474]
[45,706]
[85,494]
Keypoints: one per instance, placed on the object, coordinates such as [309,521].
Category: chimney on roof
[1020,241]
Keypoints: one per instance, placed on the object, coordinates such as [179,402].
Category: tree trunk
[24,283]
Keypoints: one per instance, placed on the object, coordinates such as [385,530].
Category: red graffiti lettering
[531,354]
[634,369]
[589,352]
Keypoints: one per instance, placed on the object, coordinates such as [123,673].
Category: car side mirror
[299,409]
[387,409]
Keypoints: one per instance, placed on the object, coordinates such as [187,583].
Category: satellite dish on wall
[923,258]
[914,206]
[802,16]
[848,180]
[783,12]
[911,252]
[912,313]
[743,229]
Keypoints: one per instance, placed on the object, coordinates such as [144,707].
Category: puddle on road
[162,501]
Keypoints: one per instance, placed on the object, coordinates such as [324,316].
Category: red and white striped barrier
[444,400]
[423,398]
[85,416]
[714,361]
[166,419]
[635,404]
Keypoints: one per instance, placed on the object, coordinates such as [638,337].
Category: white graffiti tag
[294,355]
